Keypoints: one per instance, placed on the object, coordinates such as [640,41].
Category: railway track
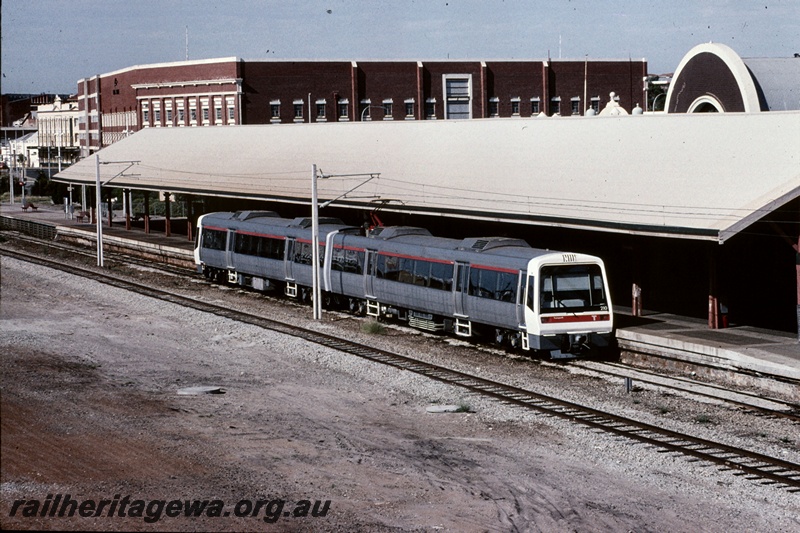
[770,407]
[91,255]
[753,465]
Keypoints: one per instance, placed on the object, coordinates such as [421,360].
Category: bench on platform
[81,215]
[26,206]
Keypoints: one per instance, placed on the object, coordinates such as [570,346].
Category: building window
[169,116]
[430,108]
[555,106]
[321,105]
[387,110]
[181,116]
[536,108]
[576,105]
[231,110]
[204,110]
[494,107]
[344,109]
[409,108]
[146,116]
[298,110]
[275,110]
[515,107]
[458,96]
[218,114]
[364,110]
[596,104]
[192,111]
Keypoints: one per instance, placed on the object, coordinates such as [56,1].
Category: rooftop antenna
[187,43]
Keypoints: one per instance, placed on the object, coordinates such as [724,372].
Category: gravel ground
[90,408]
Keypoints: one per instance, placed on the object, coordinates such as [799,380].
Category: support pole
[167,228]
[98,215]
[636,304]
[713,302]
[189,216]
[316,298]
[147,211]
[126,205]
[110,211]
[797,269]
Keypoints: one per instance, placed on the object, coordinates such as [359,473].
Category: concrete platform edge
[702,354]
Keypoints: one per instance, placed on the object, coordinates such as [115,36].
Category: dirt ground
[91,409]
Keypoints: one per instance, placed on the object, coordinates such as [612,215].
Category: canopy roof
[705,176]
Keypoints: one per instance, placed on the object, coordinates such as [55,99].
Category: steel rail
[745,462]
[619,370]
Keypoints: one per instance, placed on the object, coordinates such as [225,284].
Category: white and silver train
[494,288]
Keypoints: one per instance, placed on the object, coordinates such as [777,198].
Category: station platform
[743,349]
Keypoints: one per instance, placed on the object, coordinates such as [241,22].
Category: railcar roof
[453,248]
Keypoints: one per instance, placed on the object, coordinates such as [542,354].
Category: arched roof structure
[713,78]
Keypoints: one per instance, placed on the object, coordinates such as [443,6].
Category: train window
[573,288]
[337,259]
[531,285]
[245,244]
[506,287]
[422,273]
[487,284]
[413,271]
[271,248]
[405,270]
[482,283]
[492,284]
[214,239]
[302,253]
[441,276]
[354,261]
[389,267]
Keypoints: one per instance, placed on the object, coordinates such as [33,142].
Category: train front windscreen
[572,289]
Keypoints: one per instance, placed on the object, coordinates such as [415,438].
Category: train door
[369,273]
[521,292]
[290,244]
[460,289]
[229,250]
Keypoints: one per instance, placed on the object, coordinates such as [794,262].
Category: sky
[48,45]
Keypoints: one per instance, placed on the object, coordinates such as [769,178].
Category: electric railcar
[552,302]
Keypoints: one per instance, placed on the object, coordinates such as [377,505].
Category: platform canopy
[702,176]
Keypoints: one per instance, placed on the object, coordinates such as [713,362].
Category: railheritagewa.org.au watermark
[64,506]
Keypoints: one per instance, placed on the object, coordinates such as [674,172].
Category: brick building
[229,91]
